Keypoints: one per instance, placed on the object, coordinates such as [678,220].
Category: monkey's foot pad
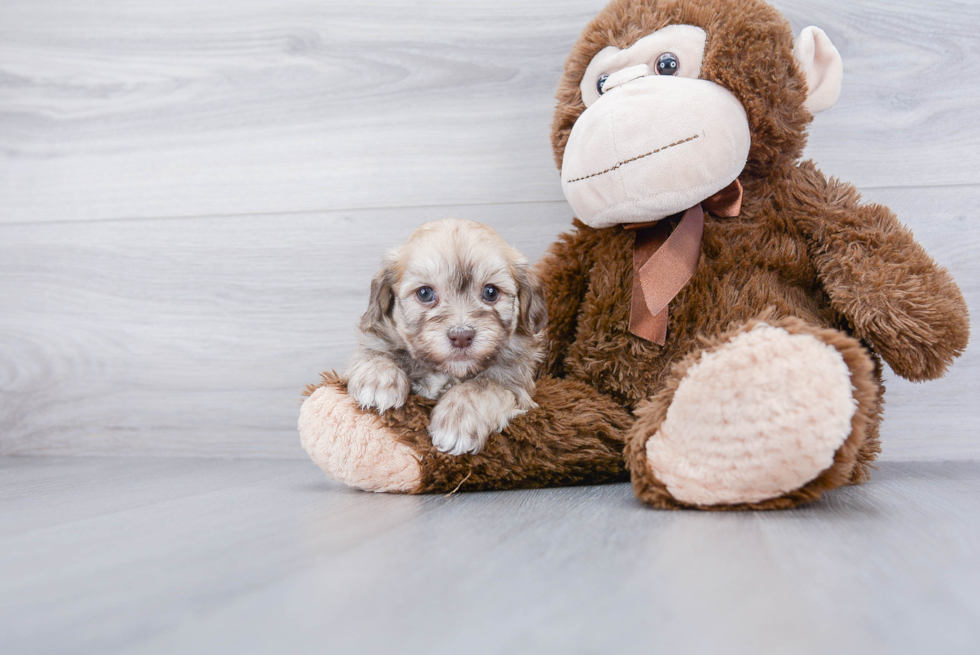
[353,446]
[757,418]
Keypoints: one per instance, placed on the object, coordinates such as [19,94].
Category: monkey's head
[664,103]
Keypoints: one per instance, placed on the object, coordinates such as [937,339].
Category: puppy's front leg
[375,381]
[468,413]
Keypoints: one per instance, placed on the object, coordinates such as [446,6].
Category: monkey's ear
[381,301]
[823,67]
[533,307]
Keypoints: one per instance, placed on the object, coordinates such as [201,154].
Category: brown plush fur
[574,436]
[804,255]
[749,52]
[870,279]
[802,247]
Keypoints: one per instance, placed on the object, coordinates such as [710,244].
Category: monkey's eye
[598,85]
[425,295]
[490,294]
[667,64]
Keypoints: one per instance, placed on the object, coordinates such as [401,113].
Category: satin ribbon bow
[664,260]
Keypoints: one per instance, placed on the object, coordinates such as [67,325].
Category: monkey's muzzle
[652,147]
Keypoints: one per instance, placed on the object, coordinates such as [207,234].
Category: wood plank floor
[130,108]
[161,555]
[193,198]
[170,336]
[194,195]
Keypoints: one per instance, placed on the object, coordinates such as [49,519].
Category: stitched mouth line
[633,159]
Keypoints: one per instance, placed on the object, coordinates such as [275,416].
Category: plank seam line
[297,212]
[300,212]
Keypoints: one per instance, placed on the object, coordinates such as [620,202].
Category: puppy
[457,315]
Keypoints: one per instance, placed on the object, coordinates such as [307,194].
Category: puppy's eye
[668,64]
[425,295]
[490,293]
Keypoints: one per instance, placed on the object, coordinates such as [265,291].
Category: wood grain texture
[203,556]
[194,336]
[193,196]
[126,109]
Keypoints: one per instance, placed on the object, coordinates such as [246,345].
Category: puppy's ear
[533,308]
[381,302]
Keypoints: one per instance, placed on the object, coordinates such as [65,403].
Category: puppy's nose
[461,337]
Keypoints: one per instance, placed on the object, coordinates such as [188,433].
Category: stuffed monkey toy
[719,311]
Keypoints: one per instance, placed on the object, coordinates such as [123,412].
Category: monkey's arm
[880,279]
[564,275]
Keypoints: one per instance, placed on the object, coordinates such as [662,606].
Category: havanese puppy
[457,315]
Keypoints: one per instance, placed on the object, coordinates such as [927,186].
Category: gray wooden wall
[195,193]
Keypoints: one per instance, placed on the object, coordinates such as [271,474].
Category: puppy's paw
[378,383]
[467,414]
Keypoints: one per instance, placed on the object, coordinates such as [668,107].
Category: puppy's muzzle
[461,336]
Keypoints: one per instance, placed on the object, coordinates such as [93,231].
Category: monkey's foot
[767,418]
[353,446]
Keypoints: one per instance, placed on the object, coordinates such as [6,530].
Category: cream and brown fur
[455,315]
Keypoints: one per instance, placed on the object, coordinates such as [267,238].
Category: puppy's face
[457,295]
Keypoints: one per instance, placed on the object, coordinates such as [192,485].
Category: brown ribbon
[665,260]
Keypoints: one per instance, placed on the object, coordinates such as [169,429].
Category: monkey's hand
[376,382]
[468,413]
[890,290]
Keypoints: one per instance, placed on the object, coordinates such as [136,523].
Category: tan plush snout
[652,146]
